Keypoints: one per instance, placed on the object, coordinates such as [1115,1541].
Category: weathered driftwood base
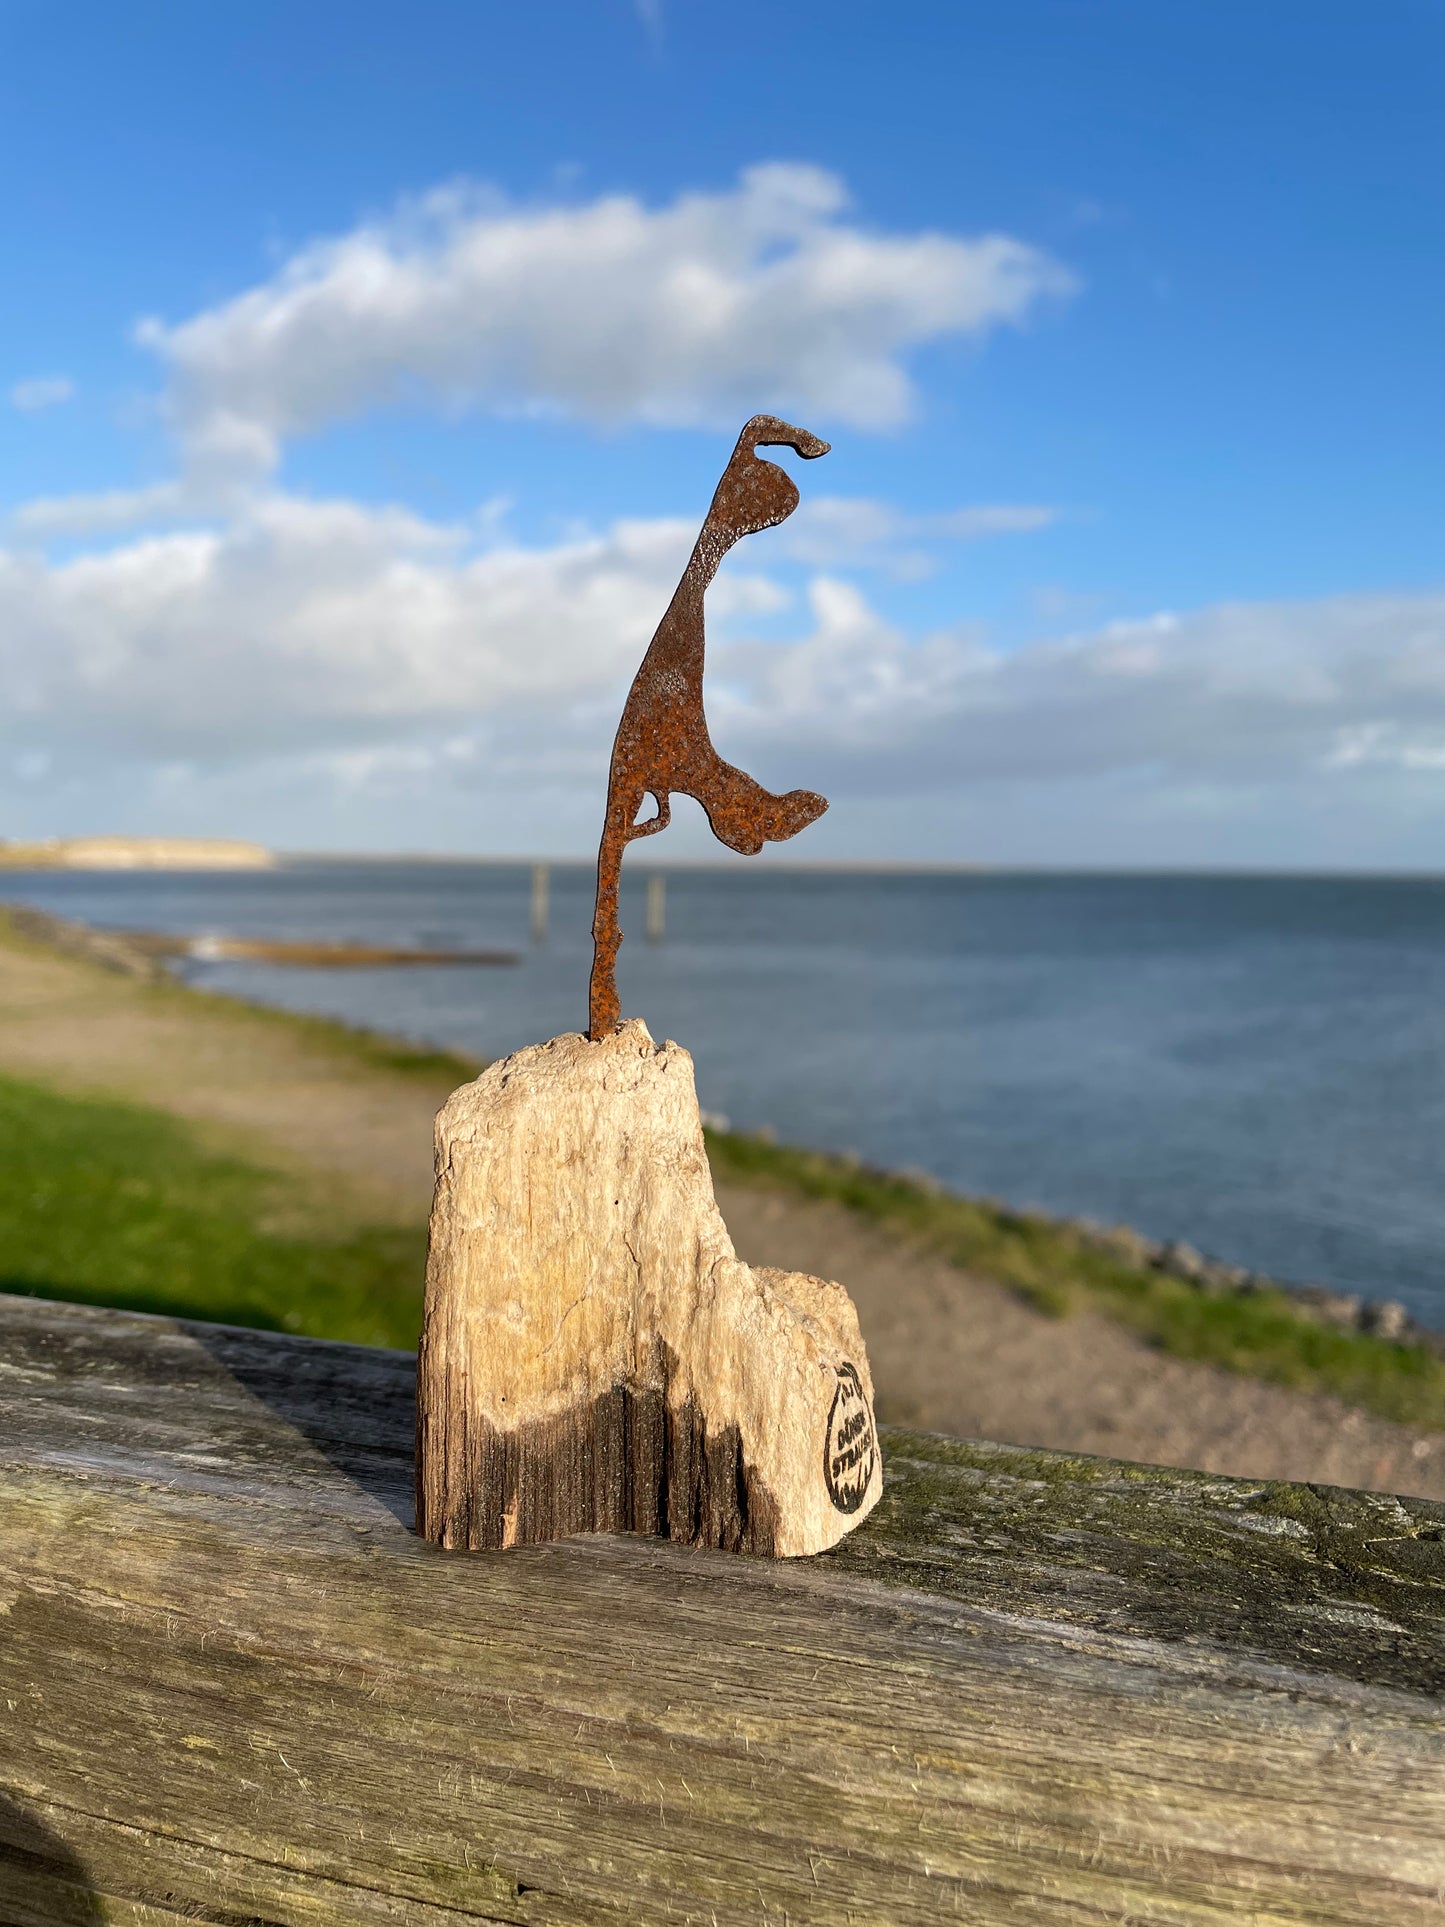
[595,1357]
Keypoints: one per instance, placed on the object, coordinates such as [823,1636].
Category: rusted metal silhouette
[663,747]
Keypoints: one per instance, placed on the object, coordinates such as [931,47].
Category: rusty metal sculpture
[663,747]
[697,1398]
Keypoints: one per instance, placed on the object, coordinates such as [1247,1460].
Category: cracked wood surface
[235,1687]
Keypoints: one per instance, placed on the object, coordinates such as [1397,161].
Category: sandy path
[954,1353]
[257,1085]
[950,1352]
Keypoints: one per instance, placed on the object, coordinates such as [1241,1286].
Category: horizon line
[897,866]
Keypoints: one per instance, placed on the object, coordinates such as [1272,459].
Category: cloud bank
[375,654]
[245,659]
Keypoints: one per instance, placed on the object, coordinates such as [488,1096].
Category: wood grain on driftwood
[595,1357]
[236,1687]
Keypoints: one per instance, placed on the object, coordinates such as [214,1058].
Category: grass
[1058,1269]
[118,1204]
[114,1203]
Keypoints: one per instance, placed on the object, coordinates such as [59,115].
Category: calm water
[1257,1065]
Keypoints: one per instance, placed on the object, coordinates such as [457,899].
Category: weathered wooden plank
[235,1687]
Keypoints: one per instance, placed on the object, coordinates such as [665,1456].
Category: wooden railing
[1031,1688]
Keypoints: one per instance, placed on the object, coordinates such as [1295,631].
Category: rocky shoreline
[69,938]
[1346,1310]
[1384,1318]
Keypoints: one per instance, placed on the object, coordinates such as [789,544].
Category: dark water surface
[1255,1064]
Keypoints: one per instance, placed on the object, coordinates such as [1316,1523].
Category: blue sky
[363,368]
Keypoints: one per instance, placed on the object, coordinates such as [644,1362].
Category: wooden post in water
[656,906]
[540,892]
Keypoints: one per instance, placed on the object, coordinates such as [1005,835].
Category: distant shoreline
[144,853]
[225,855]
[723,865]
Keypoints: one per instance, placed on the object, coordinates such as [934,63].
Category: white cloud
[42,391]
[841,531]
[763,296]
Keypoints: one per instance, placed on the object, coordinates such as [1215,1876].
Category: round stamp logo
[850,1451]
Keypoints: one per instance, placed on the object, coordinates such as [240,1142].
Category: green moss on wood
[1351,1580]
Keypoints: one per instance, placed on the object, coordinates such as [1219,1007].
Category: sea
[1255,1064]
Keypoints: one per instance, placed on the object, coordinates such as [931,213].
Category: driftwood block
[595,1357]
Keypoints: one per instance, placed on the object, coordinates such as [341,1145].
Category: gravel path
[950,1352]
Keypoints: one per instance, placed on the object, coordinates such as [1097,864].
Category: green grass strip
[118,1204]
[1263,1334]
[113,1203]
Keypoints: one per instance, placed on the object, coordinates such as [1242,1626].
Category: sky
[365,372]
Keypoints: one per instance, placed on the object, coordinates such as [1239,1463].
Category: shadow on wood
[40,1878]
[348,1402]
